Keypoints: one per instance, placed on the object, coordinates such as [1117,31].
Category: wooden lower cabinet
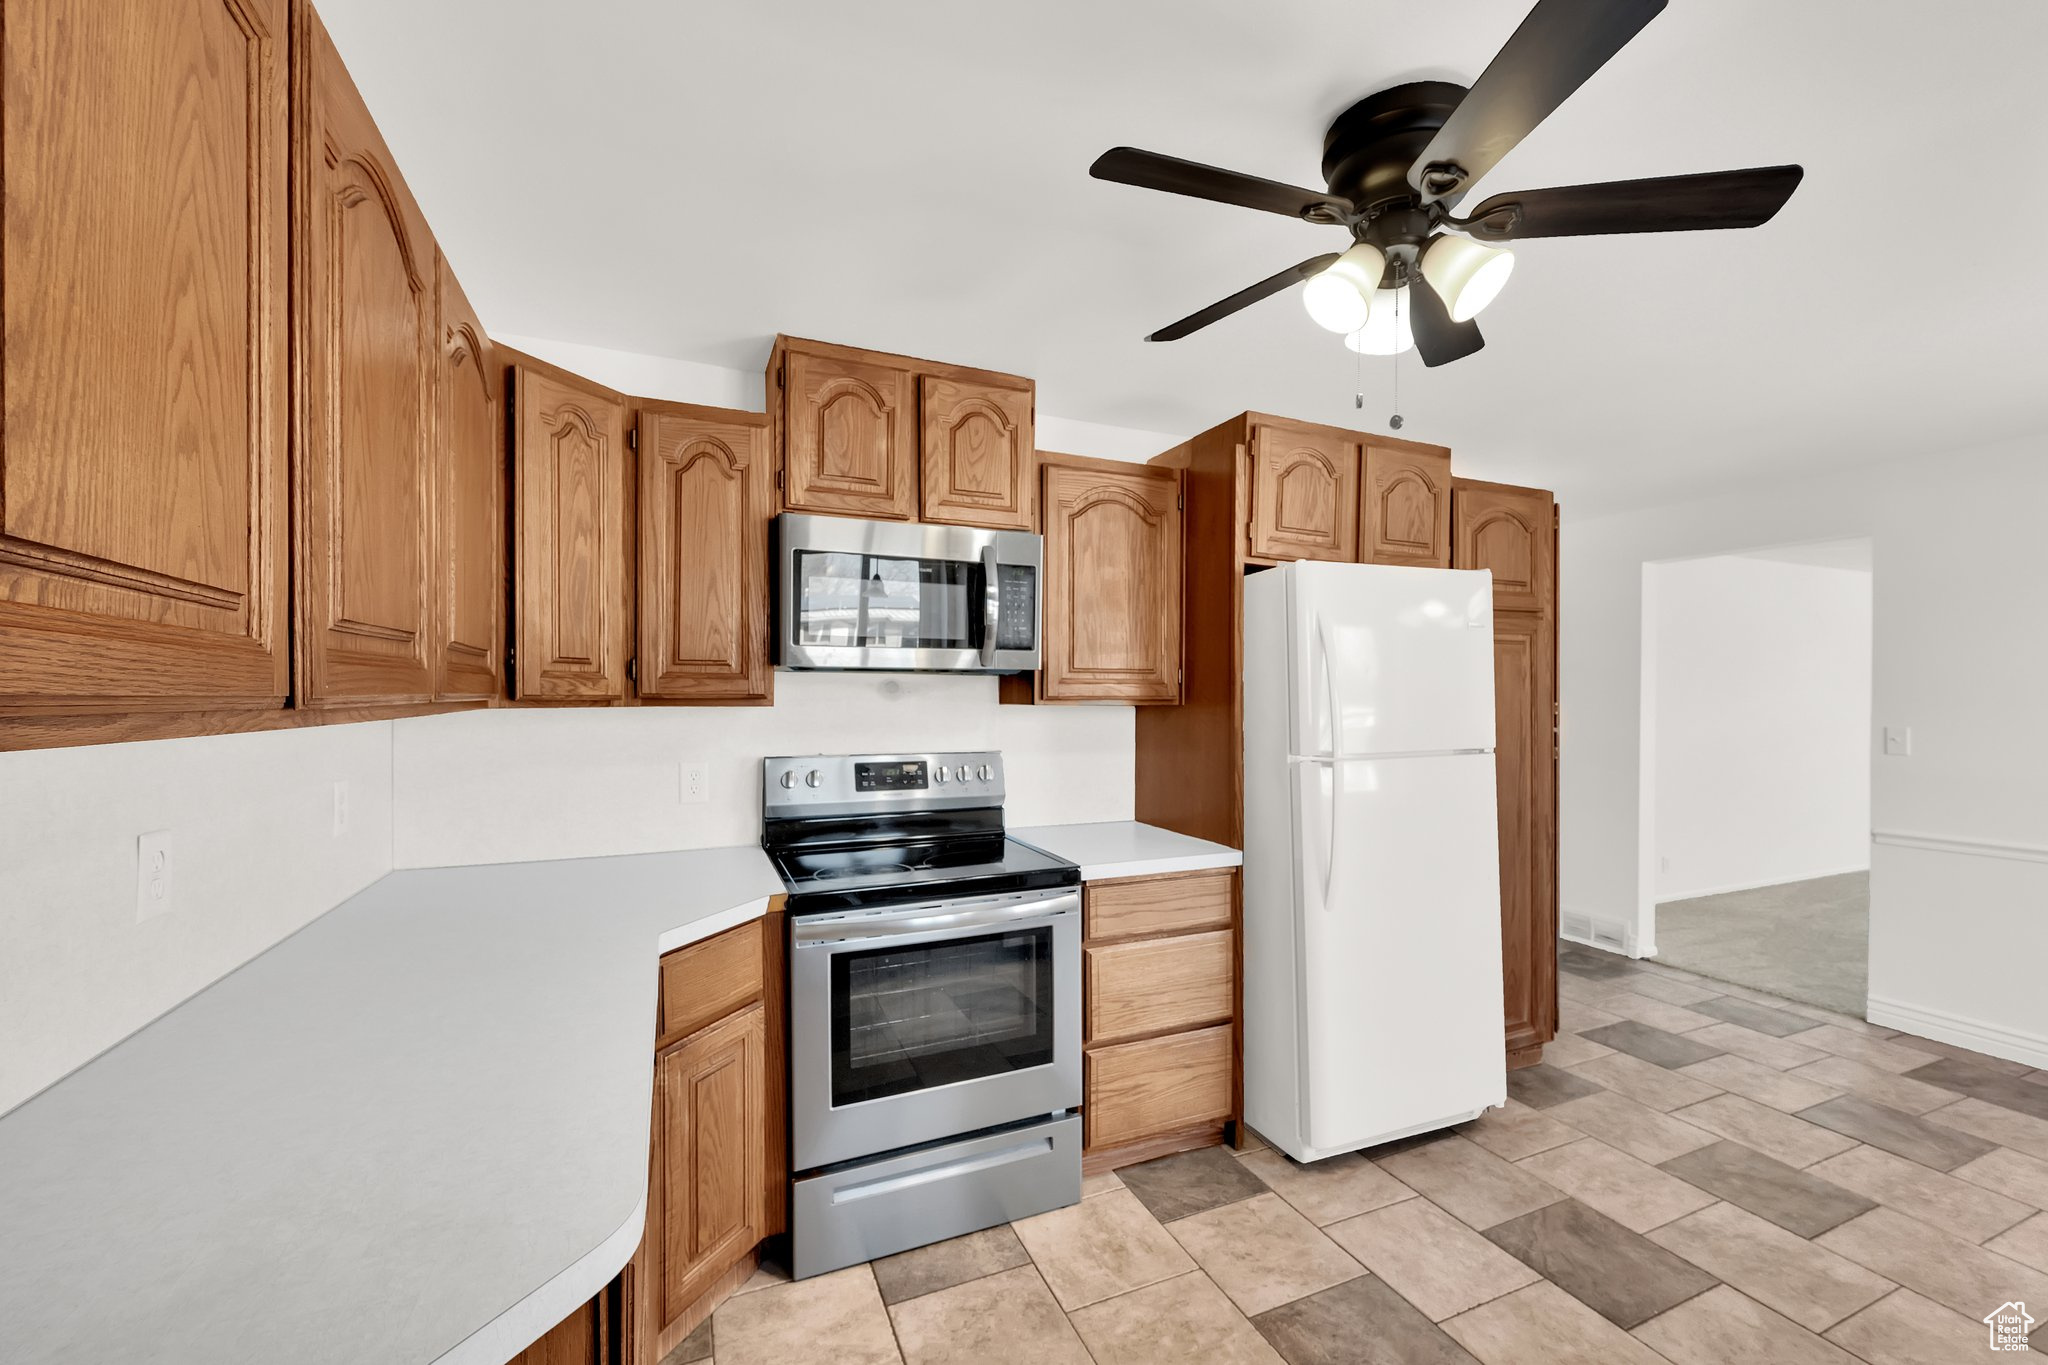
[584,1337]
[1159,1002]
[717,1169]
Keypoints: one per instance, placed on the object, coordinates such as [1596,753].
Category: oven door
[892,595]
[932,1021]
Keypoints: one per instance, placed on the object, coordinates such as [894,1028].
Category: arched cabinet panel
[852,440]
[570,639]
[1406,516]
[978,459]
[705,501]
[1112,583]
[1304,494]
[1512,532]
[365,466]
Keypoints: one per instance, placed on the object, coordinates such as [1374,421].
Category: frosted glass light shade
[1466,275]
[1386,330]
[1340,298]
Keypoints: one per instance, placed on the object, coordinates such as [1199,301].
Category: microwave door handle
[991,606]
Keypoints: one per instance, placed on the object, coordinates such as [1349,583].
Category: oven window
[908,1019]
[884,602]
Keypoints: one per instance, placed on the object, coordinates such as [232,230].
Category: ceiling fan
[1398,163]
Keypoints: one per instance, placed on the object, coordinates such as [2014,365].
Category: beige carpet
[1807,941]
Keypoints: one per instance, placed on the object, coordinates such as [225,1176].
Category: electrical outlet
[1898,741]
[340,809]
[696,784]
[153,868]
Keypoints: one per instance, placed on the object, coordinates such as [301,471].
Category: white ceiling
[687,179]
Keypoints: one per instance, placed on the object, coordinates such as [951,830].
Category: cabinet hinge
[778,480]
[1180,498]
[632,438]
[633,670]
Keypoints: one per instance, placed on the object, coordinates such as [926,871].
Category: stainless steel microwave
[908,598]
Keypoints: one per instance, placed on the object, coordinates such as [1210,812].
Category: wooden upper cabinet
[1112,583]
[705,499]
[469,449]
[977,453]
[709,1137]
[365,464]
[1513,532]
[570,638]
[1406,516]
[144,358]
[851,436]
[1304,493]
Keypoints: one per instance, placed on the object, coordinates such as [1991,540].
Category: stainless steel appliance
[934,1004]
[909,598]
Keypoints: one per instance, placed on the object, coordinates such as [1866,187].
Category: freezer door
[1389,660]
[1400,965]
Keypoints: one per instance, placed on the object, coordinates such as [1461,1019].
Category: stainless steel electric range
[934,1004]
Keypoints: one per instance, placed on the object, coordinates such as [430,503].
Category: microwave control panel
[1016,606]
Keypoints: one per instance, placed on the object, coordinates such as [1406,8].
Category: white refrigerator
[1372,955]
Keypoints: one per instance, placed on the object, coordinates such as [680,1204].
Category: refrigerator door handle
[1312,772]
[1330,706]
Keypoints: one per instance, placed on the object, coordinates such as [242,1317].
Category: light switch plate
[153,868]
[696,784]
[1898,741]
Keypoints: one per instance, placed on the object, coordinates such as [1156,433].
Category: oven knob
[789,778]
[814,779]
[961,772]
[984,772]
[939,775]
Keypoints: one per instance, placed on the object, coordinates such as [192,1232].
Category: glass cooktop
[874,874]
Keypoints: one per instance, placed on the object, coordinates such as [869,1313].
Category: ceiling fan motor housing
[1369,148]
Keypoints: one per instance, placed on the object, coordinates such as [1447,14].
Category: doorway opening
[1756,769]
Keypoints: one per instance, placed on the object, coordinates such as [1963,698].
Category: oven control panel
[907,774]
[852,784]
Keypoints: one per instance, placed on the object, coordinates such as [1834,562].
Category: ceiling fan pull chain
[1358,379]
[1395,420]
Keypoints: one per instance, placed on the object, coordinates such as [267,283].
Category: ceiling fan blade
[1152,171]
[1244,298]
[1559,45]
[1438,340]
[1670,203]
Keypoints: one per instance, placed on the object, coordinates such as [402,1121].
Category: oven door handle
[991,606]
[932,919]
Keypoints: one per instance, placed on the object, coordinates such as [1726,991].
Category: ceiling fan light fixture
[1387,330]
[1466,275]
[1340,299]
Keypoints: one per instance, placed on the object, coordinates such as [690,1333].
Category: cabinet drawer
[1172,904]
[1139,1090]
[1158,985]
[706,981]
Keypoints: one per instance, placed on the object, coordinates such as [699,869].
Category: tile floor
[1697,1175]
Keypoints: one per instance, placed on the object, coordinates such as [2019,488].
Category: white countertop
[415,1131]
[1125,848]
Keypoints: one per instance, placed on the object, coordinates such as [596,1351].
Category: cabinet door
[144,359]
[705,500]
[852,448]
[1512,532]
[469,450]
[366,470]
[1524,645]
[708,1152]
[1304,494]
[579,1339]
[1112,584]
[977,454]
[568,541]
[1406,517]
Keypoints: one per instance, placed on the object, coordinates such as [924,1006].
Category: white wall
[1761,716]
[251,815]
[1959,655]
[254,857]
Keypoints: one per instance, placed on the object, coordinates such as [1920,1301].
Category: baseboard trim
[1631,951]
[1995,1039]
[1968,848]
[1758,886]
